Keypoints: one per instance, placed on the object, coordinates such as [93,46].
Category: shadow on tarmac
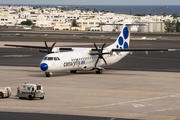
[39,116]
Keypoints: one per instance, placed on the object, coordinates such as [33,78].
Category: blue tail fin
[123,40]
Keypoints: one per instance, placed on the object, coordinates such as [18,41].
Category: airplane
[75,59]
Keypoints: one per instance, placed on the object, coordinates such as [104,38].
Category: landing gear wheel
[30,97]
[47,74]
[99,71]
[73,71]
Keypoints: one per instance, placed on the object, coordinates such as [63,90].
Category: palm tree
[22,9]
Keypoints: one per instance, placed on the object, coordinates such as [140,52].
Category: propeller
[49,49]
[100,54]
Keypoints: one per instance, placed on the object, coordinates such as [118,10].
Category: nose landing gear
[48,74]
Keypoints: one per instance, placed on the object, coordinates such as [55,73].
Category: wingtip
[173,49]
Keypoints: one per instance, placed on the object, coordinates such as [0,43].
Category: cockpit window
[55,59]
[45,58]
[50,58]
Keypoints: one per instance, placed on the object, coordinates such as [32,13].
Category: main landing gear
[73,71]
[98,71]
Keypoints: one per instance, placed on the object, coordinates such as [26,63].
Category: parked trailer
[30,91]
[5,92]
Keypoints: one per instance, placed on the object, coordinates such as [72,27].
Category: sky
[93,2]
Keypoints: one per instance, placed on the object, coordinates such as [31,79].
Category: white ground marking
[138,105]
[163,109]
[127,102]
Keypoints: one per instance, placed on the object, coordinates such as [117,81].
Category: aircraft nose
[44,66]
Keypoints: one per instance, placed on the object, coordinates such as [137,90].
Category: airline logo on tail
[123,41]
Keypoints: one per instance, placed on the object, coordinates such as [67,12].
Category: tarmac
[113,94]
[138,87]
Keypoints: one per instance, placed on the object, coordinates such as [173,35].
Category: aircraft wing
[38,47]
[142,49]
[26,46]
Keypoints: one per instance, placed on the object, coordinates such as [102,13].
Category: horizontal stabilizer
[142,49]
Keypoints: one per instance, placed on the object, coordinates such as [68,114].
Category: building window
[91,23]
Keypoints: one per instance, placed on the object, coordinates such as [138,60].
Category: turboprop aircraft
[87,59]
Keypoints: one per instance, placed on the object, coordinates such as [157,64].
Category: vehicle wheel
[99,71]
[20,97]
[1,94]
[73,71]
[42,98]
[30,97]
[47,74]
[8,95]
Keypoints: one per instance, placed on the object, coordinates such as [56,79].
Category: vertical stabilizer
[123,40]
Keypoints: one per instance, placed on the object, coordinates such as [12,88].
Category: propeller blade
[52,46]
[95,46]
[103,46]
[46,47]
[105,61]
[46,44]
[96,62]
[42,51]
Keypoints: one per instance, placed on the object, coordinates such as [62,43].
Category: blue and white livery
[73,59]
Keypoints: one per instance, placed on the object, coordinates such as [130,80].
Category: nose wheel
[47,74]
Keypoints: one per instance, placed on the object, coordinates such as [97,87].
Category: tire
[99,71]
[73,71]
[47,74]
[42,98]
[8,95]
[30,97]
[1,94]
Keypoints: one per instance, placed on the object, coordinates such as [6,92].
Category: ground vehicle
[30,91]
[5,92]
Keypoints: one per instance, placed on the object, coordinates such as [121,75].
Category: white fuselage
[79,59]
